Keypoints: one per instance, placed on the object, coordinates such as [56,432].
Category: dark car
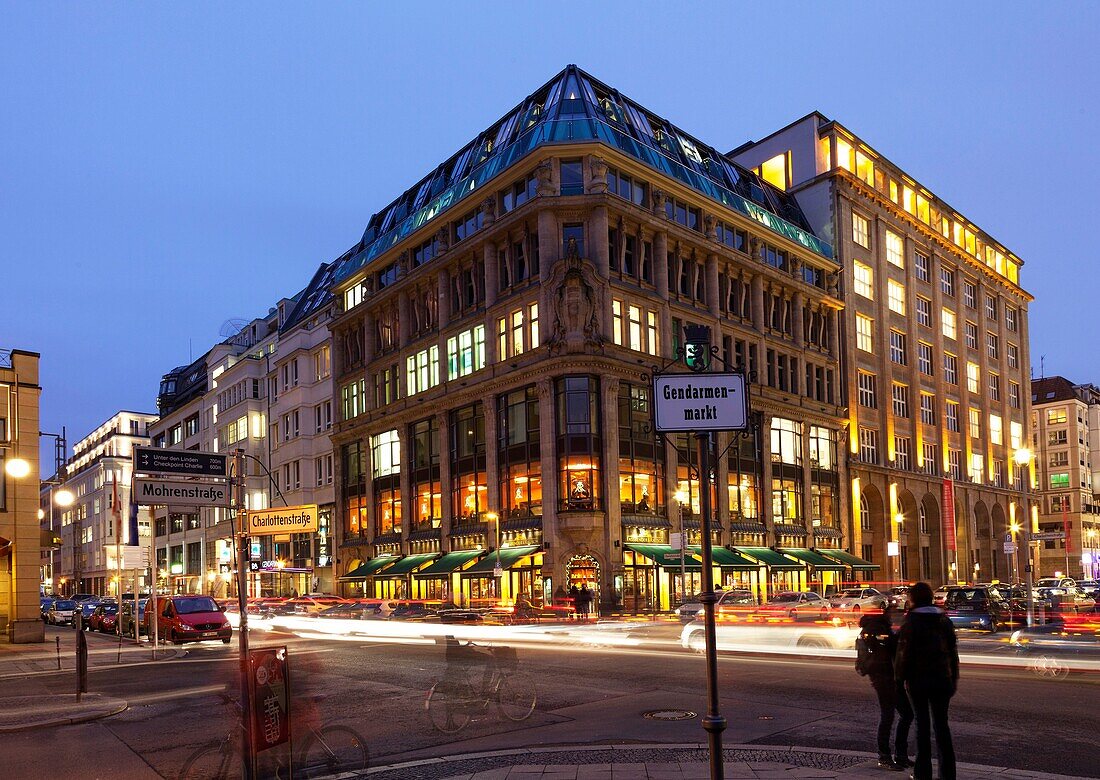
[85,609]
[45,602]
[692,608]
[103,618]
[979,607]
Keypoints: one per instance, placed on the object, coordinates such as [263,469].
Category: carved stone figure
[598,183]
[443,239]
[575,305]
[545,175]
[657,200]
[402,264]
[710,226]
[489,210]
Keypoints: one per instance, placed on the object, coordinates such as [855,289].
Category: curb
[119,706]
[684,746]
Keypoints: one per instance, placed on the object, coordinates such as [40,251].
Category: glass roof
[573,107]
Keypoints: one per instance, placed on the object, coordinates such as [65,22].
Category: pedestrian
[927,661]
[575,598]
[586,600]
[875,650]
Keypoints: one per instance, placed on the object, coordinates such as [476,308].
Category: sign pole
[714,723]
[242,605]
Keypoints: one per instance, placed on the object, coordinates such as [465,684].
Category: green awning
[450,562]
[665,556]
[769,558]
[811,558]
[407,564]
[370,567]
[507,556]
[723,556]
[848,559]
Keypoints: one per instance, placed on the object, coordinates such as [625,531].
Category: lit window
[865,168]
[617,321]
[422,370]
[651,333]
[864,340]
[896,295]
[861,230]
[973,377]
[894,249]
[774,171]
[975,419]
[466,352]
[634,319]
[947,318]
[996,429]
[1015,435]
[864,277]
[1056,416]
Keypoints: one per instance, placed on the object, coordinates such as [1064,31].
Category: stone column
[492,273]
[598,248]
[366,328]
[660,264]
[612,536]
[492,454]
[556,545]
[721,486]
[766,478]
[807,503]
[712,290]
[404,317]
[446,489]
[549,255]
[408,500]
[757,293]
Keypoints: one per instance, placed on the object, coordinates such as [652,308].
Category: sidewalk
[666,762]
[21,660]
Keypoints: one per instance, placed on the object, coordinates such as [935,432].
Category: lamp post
[1022,456]
[1015,558]
[682,497]
[899,520]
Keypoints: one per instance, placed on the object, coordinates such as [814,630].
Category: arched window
[864,514]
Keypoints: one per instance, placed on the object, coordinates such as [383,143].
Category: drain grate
[669,715]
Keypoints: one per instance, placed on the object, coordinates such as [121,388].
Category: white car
[61,612]
[859,599]
[798,604]
[822,639]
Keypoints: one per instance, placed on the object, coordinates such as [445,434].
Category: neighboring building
[501,323]
[19,475]
[99,470]
[936,352]
[1066,425]
[301,415]
[268,391]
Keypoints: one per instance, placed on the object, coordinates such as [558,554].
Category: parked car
[61,612]
[130,627]
[190,618]
[760,635]
[44,603]
[82,596]
[85,609]
[980,607]
[311,605]
[693,607]
[1056,582]
[798,604]
[1091,587]
[859,599]
[104,618]
[898,597]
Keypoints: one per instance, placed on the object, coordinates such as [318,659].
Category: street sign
[155,460]
[498,570]
[1048,536]
[176,493]
[284,520]
[1010,548]
[676,541]
[700,402]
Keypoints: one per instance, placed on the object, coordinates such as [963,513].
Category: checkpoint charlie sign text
[700,402]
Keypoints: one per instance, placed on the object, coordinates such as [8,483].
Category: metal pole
[714,723]
[1025,527]
[242,605]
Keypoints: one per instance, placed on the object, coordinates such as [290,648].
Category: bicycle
[326,750]
[454,701]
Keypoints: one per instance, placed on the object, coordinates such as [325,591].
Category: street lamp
[17,468]
[1023,456]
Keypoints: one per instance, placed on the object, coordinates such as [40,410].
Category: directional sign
[700,402]
[1048,536]
[154,460]
[178,493]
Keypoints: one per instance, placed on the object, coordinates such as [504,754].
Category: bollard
[57,639]
[81,665]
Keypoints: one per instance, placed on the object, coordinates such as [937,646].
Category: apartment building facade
[100,517]
[1066,441]
[500,325]
[935,335]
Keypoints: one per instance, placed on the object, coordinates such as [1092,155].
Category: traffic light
[697,347]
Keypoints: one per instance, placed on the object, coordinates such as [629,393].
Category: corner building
[935,353]
[501,322]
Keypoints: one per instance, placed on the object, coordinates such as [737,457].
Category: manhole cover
[669,715]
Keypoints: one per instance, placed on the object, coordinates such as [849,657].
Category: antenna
[1042,366]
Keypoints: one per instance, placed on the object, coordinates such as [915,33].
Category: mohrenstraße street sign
[155,460]
[700,402]
[178,493]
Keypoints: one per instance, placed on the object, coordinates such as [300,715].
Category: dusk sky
[164,169]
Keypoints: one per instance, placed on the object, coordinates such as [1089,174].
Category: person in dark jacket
[927,661]
[877,646]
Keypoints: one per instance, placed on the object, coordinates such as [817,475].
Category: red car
[104,618]
[191,619]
